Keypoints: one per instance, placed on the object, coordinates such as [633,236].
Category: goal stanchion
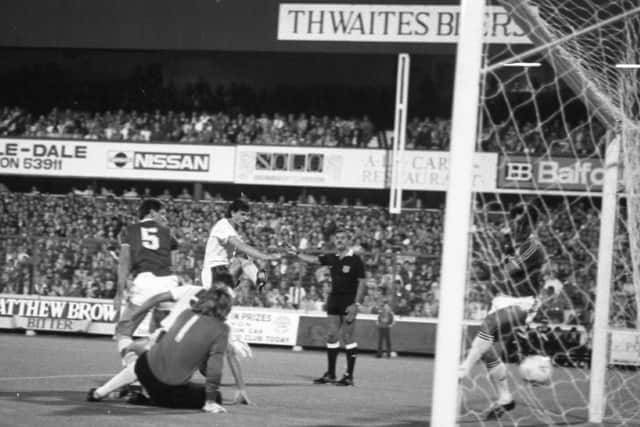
[399,133]
[600,350]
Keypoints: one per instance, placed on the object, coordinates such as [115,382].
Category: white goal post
[457,218]
[600,346]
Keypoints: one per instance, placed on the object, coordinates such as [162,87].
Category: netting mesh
[550,125]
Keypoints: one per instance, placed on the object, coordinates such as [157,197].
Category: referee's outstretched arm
[311,259]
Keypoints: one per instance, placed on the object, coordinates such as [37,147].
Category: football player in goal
[197,339]
[516,283]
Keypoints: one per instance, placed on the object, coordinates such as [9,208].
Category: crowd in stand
[193,128]
[552,137]
[70,243]
[67,246]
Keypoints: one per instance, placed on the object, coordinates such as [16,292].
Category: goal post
[600,346]
[457,218]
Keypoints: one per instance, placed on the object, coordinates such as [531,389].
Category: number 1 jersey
[151,245]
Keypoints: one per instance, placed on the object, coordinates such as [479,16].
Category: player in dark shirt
[150,241]
[516,284]
[145,253]
[197,340]
[347,289]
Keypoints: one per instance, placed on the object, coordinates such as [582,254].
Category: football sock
[332,354]
[498,374]
[352,352]
[123,343]
[121,379]
[480,345]
[129,358]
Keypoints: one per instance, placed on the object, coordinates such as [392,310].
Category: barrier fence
[292,328]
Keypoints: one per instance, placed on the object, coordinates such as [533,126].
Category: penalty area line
[55,377]
[256,381]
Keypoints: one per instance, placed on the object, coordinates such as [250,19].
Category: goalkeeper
[516,283]
[197,339]
[184,296]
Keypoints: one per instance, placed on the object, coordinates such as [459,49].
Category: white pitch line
[57,377]
[53,377]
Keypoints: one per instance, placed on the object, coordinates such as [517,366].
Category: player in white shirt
[222,249]
[224,244]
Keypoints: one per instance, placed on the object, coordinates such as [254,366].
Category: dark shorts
[337,304]
[185,396]
[217,270]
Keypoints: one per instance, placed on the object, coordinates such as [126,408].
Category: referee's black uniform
[345,275]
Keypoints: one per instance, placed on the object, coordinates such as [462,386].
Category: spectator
[580,138]
[109,291]
[296,294]
[385,322]
[74,290]
[130,194]
[184,195]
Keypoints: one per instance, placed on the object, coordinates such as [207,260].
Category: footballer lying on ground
[197,339]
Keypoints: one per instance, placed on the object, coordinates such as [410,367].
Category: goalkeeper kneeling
[170,357]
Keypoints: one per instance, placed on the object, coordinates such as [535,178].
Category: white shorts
[205,276]
[147,285]
[527,304]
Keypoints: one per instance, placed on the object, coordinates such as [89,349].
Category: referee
[347,279]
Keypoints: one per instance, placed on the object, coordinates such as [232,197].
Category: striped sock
[498,374]
[352,353]
[480,345]
[332,355]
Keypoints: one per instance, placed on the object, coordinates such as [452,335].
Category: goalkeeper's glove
[241,398]
[240,348]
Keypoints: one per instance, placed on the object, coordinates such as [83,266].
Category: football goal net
[562,115]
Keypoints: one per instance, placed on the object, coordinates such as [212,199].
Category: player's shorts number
[149,238]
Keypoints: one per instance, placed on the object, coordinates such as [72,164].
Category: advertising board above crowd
[391,23]
[559,173]
[116,160]
[401,26]
[292,166]
[353,168]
